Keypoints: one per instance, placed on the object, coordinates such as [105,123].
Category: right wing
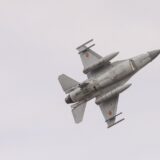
[109,110]
[109,107]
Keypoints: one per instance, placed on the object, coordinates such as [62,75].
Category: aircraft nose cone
[153,54]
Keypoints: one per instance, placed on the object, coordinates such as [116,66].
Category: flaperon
[105,82]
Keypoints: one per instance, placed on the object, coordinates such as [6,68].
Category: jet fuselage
[115,73]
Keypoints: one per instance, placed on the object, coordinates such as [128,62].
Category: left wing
[88,56]
[109,110]
[94,64]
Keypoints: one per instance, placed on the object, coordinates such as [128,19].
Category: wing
[88,56]
[109,109]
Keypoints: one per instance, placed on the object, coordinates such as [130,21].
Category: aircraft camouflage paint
[105,81]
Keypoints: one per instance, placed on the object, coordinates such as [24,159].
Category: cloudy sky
[37,43]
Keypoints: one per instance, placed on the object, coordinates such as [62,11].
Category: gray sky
[37,43]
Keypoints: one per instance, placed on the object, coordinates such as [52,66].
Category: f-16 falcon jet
[106,80]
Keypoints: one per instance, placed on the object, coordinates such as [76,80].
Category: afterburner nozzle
[68,99]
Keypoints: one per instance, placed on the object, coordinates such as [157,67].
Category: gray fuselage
[113,75]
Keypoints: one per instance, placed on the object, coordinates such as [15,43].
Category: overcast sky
[37,43]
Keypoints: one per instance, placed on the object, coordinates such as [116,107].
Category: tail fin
[67,83]
[78,111]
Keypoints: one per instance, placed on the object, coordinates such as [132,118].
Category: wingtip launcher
[83,47]
[111,118]
[116,122]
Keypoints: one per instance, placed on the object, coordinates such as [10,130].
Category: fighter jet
[106,80]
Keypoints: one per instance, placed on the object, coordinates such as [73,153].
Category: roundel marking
[87,54]
[110,113]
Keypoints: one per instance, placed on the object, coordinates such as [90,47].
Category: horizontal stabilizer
[67,83]
[78,111]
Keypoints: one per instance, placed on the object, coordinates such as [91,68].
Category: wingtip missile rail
[83,47]
[116,123]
